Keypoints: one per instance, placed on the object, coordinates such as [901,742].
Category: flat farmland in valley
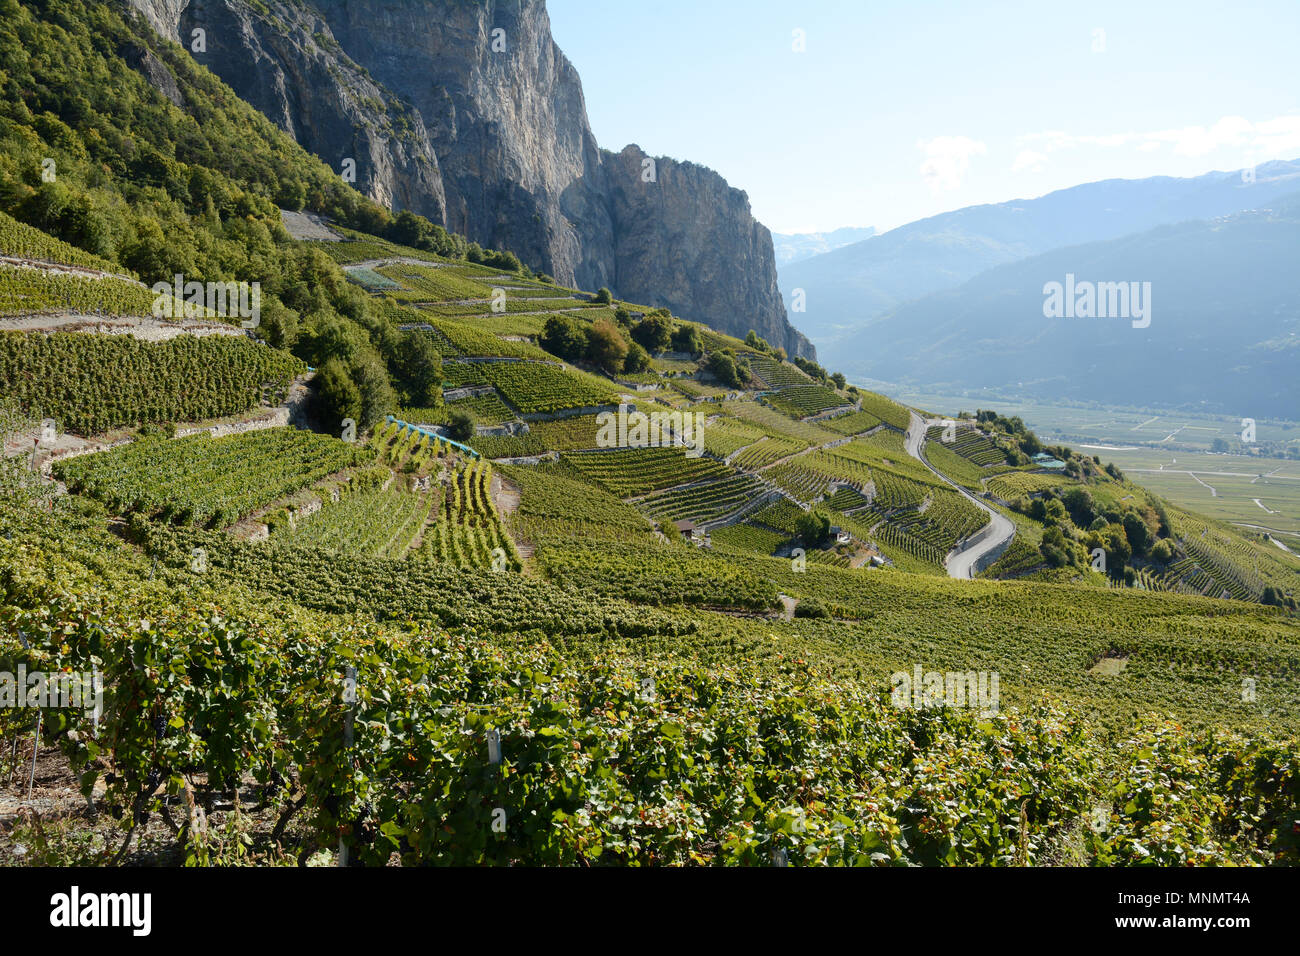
[1078,425]
[1258,491]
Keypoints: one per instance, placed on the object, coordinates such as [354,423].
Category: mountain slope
[1224,331]
[851,286]
[472,116]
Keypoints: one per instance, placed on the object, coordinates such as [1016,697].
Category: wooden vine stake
[350,698]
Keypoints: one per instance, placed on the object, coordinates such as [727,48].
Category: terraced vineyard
[778,375]
[26,291]
[766,451]
[808,477]
[26,242]
[380,523]
[461,374]
[387,590]
[1221,561]
[1014,485]
[947,519]
[628,472]
[749,537]
[533,305]
[704,503]
[1020,558]
[772,422]
[532,387]
[802,401]
[373,281]
[486,408]
[961,470]
[724,436]
[408,449]
[886,409]
[854,423]
[208,481]
[431,284]
[91,383]
[847,499]
[468,531]
[503,323]
[781,515]
[473,341]
[556,504]
[361,247]
[651,574]
[969,443]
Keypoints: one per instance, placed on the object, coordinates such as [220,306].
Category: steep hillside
[848,288]
[471,115]
[1224,329]
[549,577]
[681,658]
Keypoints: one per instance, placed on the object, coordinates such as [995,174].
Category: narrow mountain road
[961,564]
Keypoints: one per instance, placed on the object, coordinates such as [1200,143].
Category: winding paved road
[962,563]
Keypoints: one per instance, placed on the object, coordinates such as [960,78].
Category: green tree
[637,360]
[1118,551]
[606,346]
[654,333]
[408,228]
[460,426]
[564,337]
[686,338]
[419,369]
[811,608]
[1162,551]
[1137,533]
[378,397]
[1054,548]
[813,527]
[1078,502]
[723,367]
[336,396]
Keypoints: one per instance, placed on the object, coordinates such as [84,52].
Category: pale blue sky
[899,110]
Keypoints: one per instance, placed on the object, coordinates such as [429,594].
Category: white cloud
[1028,160]
[947,159]
[1278,138]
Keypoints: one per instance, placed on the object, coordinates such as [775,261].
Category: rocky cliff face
[288,65]
[469,114]
[680,239]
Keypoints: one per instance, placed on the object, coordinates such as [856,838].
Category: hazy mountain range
[957,299]
[797,246]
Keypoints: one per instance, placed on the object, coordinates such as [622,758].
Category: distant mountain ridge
[797,246]
[850,287]
[1223,332]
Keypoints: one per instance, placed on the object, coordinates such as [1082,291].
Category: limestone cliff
[468,113]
